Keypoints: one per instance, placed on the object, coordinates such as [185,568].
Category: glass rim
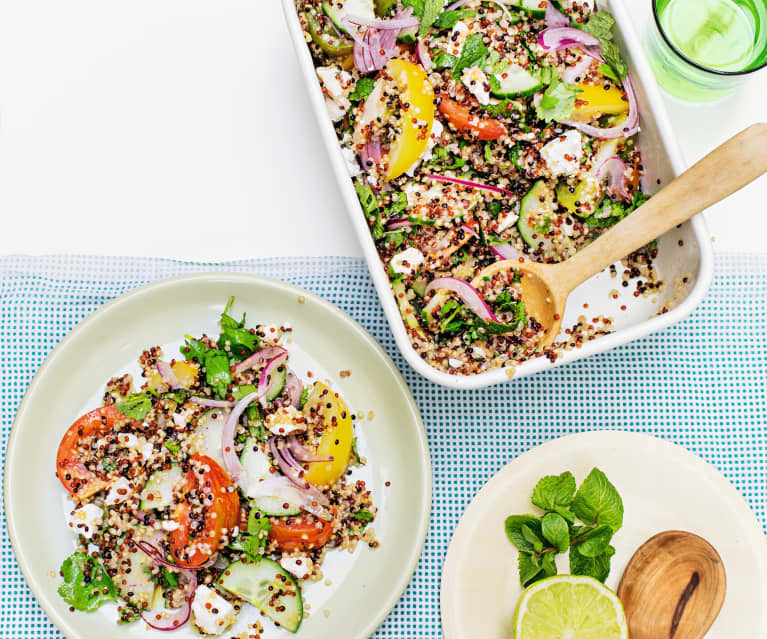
[697,65]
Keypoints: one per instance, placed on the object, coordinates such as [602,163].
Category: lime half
[567,607]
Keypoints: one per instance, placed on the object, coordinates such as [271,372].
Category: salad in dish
[476,132]
[223,479]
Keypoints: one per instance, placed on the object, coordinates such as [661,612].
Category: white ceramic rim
[419,533]
[641,69]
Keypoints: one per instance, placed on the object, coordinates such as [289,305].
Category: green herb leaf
[444,60]
[418,7]
[448,19]
[258,523]
[217,374]
[363,514]
[548,563]
[554,490]
[362,89]
[169,579]
[598,502]
[472,54]
[597,567]
[556,532]
[601,26]
[558,102]
[595,542]
[530,571]
[370,208]
[355,452]
[193,349]
[85,583]
[240,340]
[514,524]
[531,538]
[304,396]
[173,446]
[128,612]
[431,9]
[136,406]
[607,71]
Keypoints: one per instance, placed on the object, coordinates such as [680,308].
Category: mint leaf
[612,56]
[554,529]
[557,102]
[595,542]
[514,524]
[362,89]
[531,538]
[136,406]
[601,26]
[444,60]
[363,514]
[607,71]
[530,570]
[431,9]
[598,502]
[86,584]
[597,567]
[472,54]
[554,490]
[549,565]
[448,19]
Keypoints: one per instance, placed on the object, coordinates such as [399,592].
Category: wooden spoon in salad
[728,168]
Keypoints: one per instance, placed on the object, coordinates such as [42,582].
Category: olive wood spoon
[726,169]
[673,587]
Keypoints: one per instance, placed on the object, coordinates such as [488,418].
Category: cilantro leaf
[597,567]
[557,102]
[136,406]
[554,490]
[193,349]
[86,584]
[472,54]
[362,89]
[598,502]
[431,9]
[555,531]
[254,541]
[448,19]
[217,374]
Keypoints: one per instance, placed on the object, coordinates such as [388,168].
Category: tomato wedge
[463,120]
[210,506]
[302,532]
[76,478]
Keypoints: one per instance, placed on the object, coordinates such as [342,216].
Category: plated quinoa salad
[475,132]
[217,482]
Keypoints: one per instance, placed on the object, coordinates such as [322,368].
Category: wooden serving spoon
[673,587]
[726,169]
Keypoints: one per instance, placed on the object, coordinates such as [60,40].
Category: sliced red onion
[376,43]
[259,357]
[231,461]
[303,454]
[211,403]
[455,5]
[167,374]
[625,129]
[398,223]
[468,229]
[578,71]
[401,20]
[503,8]
[468,294]
[467,183]
[283,488]
[370,152]
[161,618]
[295,388]
[554,17]
[556,38]
[267,379]
[615,168]
[422,51]
[505,251]
[294,471]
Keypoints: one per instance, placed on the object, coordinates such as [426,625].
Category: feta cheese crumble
[563,155]
[476,82]
[405,261]
[286,420]
[212,613]
[300,566]
[85,520]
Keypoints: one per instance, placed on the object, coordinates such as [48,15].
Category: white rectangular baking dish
[684,262]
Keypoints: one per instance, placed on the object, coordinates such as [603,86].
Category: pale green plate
[364,586]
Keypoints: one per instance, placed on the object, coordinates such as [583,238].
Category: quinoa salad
[221,481]
[476,132]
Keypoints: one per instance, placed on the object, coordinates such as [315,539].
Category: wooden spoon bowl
[673,587]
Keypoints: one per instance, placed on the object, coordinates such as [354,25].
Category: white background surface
[180,128]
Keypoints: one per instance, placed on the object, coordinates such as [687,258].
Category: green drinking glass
[701,50]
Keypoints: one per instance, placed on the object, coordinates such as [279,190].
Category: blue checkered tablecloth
[701,384]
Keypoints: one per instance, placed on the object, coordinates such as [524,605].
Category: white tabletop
[181,129]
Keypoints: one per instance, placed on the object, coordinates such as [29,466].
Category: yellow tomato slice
[596,101]
[337,438]
[417,93]
[185,372]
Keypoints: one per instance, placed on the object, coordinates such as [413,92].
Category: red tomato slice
[76,478]
[210,506]
[463,120]
[301,532]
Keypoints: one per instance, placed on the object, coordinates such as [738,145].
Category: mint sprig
[540,539]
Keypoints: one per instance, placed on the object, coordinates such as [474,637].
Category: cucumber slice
[278,379]
[208,436]
[267,586]
[158,490]
[275,507]
[408,36]
[588,190]
[515,81]
[535,211]
[405,307]
[530,7]
[133,568]
[256,465]
[337,10]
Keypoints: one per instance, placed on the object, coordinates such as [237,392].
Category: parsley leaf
[472,54]
[448,19]
[136,406]
[173,446]
[85,583]
[254,541]
[362,89]
[598,502]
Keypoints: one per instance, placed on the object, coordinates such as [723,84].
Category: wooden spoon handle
[726,169]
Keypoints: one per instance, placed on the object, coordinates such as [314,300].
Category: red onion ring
[468,294]
[371,151]
[303,454]
[167,374]
[295,388]
[266,381]
[259,357]
[578,70]
[422,51]
[455,5]
[615,168]
[211,403]
[467,183]
[505,251]
[554,17]
[280,486]
[231,461]
[401,20]
[556,38]
[398,223]
[294,471]
[623,130]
